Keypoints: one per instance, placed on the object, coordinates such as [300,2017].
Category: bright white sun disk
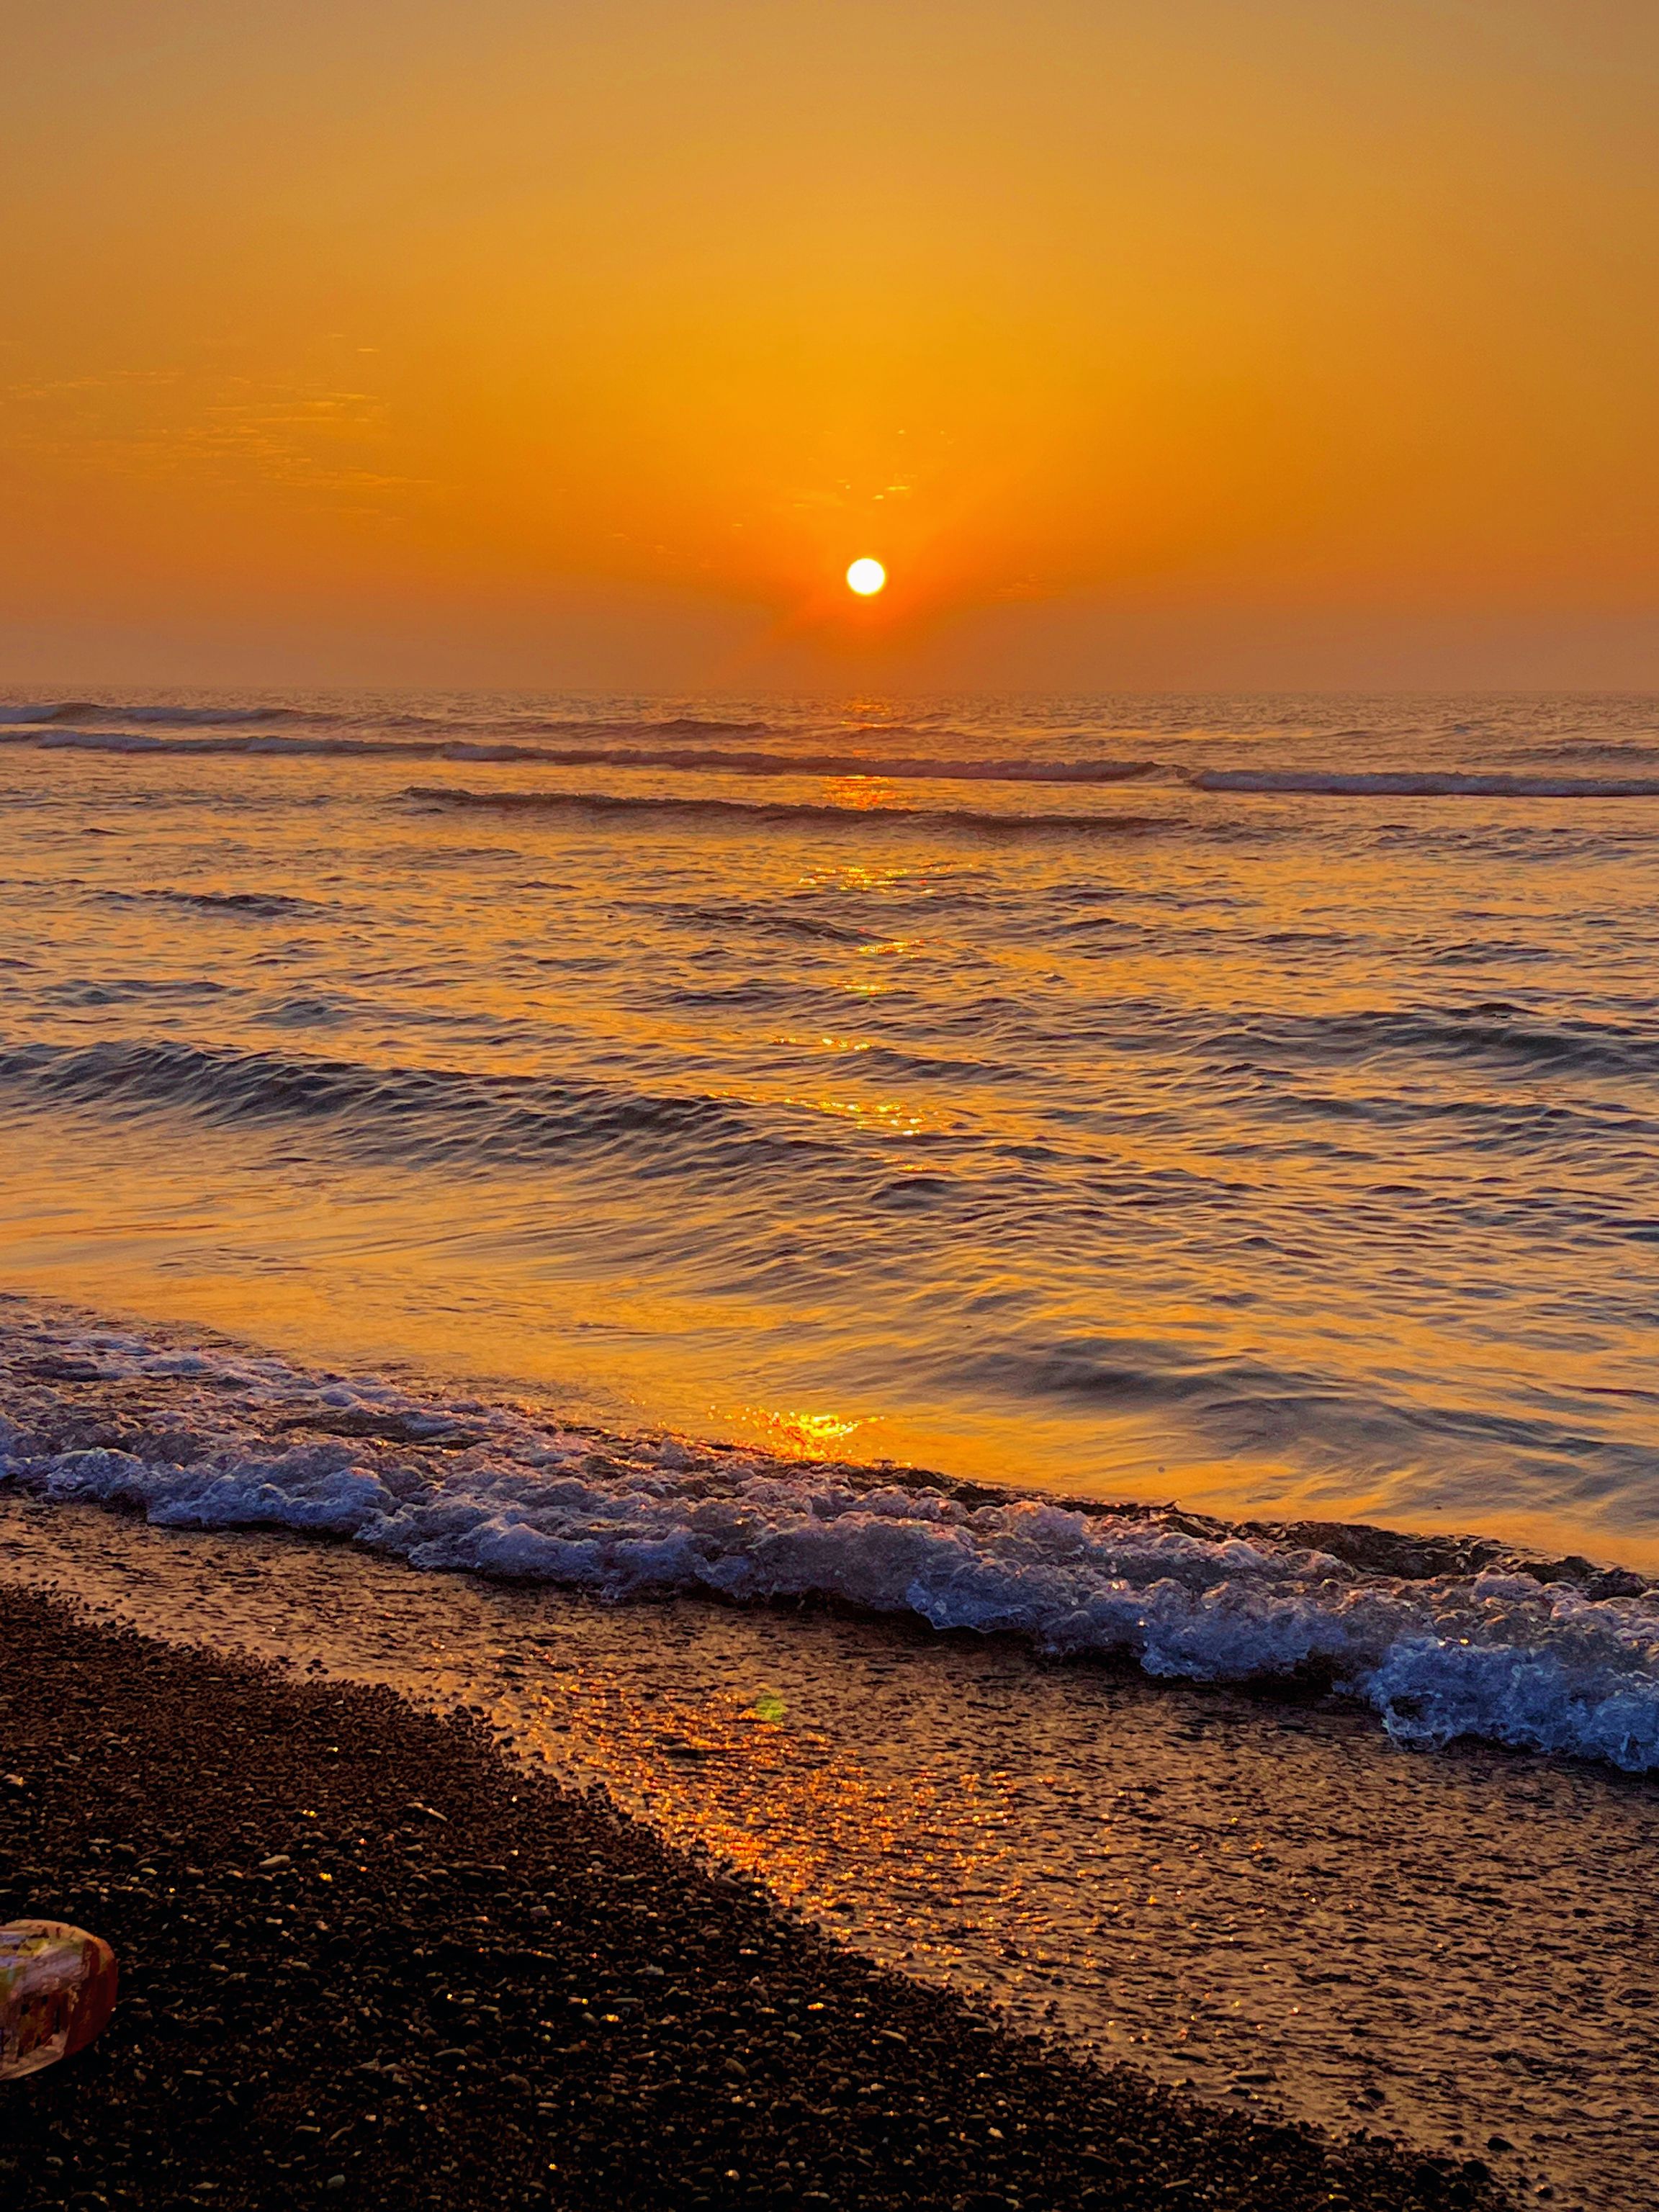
[865,577]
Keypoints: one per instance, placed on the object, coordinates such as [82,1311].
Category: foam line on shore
[1476,1642]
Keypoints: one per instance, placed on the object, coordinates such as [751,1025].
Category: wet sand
[1264,1904]
[367,1960]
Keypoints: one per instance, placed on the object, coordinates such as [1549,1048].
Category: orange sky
[584,342]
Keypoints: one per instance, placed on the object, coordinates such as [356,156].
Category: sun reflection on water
[824,1043]
[801,1435]
[868,793]
[891,1116]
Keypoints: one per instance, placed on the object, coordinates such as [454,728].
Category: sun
[865,577]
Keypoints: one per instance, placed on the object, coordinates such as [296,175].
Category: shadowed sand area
[1264,1900]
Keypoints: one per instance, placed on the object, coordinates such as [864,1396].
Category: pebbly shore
[367,1961]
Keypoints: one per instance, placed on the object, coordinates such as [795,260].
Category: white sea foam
[1540,1665]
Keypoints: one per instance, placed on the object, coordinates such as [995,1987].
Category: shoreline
[1409,1549]
[410,1983]
[447,1412]
[1245,1897]
[1441,1637]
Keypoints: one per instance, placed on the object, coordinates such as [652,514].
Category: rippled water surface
[1250,1103]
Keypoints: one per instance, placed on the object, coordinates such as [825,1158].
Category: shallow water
[1251,1103]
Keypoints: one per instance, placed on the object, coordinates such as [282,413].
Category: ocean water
[1244,1108]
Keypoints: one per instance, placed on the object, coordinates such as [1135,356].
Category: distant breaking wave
[89,712]
[898,767]
[680,745]
[1408,784]
[93,714]
[685,759]
[1441,1637]
[805,813]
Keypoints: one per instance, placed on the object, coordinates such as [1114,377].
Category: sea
[1245,1108]
[842,1271]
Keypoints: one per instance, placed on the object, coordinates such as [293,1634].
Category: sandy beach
[367,1961]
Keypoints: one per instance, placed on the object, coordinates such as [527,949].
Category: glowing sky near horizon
[590,343]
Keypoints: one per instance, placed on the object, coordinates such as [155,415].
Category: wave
[461,1118]
[263,906]
[93,713]
[89,713]
[697,760]
[669,725]
[1442,1638]
[256,744]
[81,727]
[1495,1031]
[410,1114]
[805,813]
[593,727]
[895,768]
[1413,784]
[1594,749]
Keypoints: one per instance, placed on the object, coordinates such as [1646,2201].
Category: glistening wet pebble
[365,1962]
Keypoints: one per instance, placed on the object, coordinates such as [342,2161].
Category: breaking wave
[1442,1638]
[805,813]
[897,767]
[89,714]
[693,744]
[1411,784]
[693,760]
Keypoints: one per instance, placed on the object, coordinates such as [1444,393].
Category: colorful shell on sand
[57,1993]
